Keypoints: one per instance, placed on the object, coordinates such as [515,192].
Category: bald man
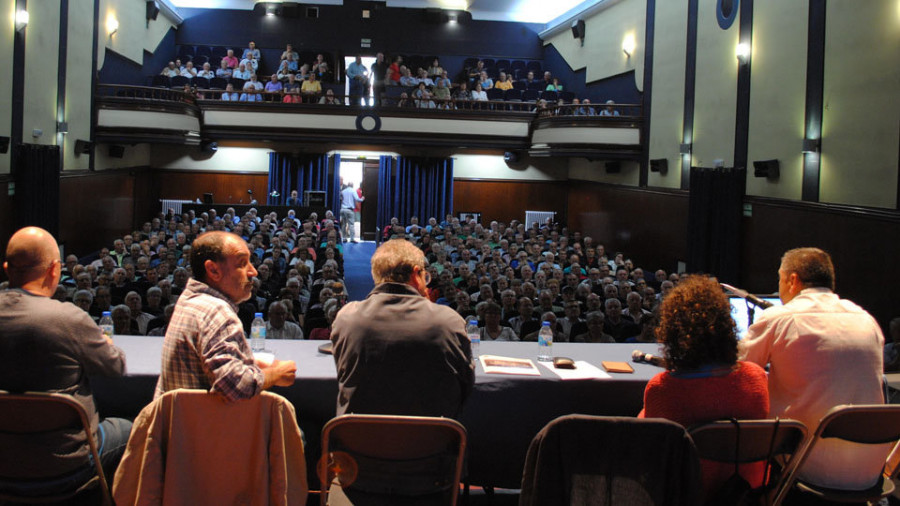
[52,346]
[205,346]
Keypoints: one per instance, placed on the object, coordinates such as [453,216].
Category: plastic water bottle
[474,337]
[106,324]
[258,333]
[545,343]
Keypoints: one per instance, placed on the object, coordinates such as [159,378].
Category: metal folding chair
[32,414]
[759,440]
[865,424]
[391,460]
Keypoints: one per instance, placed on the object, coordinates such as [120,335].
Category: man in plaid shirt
[205,347]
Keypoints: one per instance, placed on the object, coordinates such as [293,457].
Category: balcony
[132,114]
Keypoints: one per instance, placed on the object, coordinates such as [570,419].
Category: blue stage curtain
[410,187]
[289,172]
[334,192]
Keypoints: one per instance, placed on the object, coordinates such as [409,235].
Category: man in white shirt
[278,327]
[822,351]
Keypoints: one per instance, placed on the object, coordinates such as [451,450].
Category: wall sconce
[112,25]
[685,149]
[742,51]
[628,45]
[62,127]
[811,145]
[21,20]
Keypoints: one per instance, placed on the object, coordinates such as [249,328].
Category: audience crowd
[393,84]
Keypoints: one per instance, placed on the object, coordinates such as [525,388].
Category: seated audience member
[289,53]
[404,100]
[242,73]
[251,53]
[529,78]
[492,331]
[278,327]
[274,86]
[189,71]
[323,73]
[478,94]
[252,90]
[170,70]
[572,321]
[485,81]
[291,91]
[594,334]
[123,324]
[704,381]
[133,301]
[587,109]
[503,83]
[158,326]
[822,351]
[284,71]
[231,60]
[542,109]
[435,70]
[83,299]
[224,71]
[610,109]
[49,346]
[554,85]
[532,336]
[474,73]
[635,310]
[328,98]
[331,308]
[462,93]
[422,77]
[407,79]
[617,326]
[206,72]
[396,352]
[311,87]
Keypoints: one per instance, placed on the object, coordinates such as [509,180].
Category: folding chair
[865,424]
[584,460]
[34,414]
[391,460]
[759,440]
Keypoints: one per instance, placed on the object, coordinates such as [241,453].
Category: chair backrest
[716,440]
[218,83]
[577,459]
[495,94]
[868,424]
[549,96]
[179,81]
[371,457]
[568,96]
[534,66]
[36,414]
[513,95]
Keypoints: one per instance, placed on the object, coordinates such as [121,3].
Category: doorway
[367,62]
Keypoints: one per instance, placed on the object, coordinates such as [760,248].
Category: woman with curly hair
[704,381]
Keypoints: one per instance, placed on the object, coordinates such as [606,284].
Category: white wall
[7,29]
[237,159]
[494,167]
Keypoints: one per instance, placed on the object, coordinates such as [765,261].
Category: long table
[501,417]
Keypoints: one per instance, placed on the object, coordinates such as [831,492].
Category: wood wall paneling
[95,208]
[226,188]
[508,200]
[857,243]
[650,227]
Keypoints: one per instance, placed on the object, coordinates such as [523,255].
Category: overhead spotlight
[453,19]
[742,51]
[21,20]
[271,10]
[629,44]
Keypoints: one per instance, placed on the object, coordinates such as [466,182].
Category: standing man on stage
[205,346]
[822,351]
[349,200]
[397,352]
[52,346]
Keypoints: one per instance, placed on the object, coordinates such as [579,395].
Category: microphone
[749,297]
[640,356]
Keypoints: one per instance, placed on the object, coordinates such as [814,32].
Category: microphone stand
[751,304]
